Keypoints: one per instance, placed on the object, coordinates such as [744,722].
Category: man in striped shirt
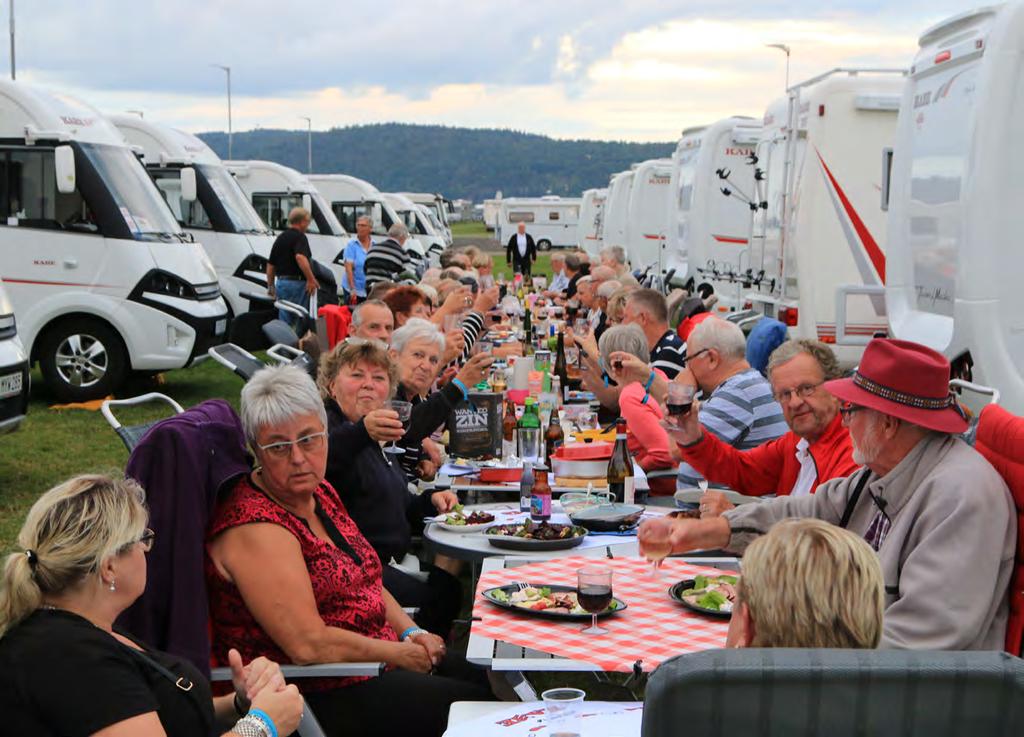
[648,309]
[387,259]
[738,405]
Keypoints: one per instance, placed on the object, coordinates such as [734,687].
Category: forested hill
[460,162]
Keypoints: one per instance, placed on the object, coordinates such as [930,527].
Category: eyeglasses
[687,359]
[846,410]
[307,444]
[803,391]
[146,539]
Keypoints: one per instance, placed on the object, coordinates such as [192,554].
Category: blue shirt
[355,255]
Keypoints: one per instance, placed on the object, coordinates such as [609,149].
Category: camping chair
[790,691]
[131,434]
[245,364]
[184,463]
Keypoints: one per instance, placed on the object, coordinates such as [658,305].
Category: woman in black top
[65,671]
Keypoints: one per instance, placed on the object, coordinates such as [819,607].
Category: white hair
[608,288]
[278,394]
[625,338]
[417,328]
[398,231]
[616,253]
[725,337]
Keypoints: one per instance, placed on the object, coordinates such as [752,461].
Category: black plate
[549,613]
[508,542]
[676,593]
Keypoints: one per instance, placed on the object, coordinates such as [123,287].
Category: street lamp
[12,39]
[227,70]
[309,143]
[784,49]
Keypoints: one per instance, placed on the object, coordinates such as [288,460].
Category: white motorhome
[208,202]
[275,189]
[352,198]
[817,251]
[490,212]
[101,276]
[955,210]
[708,230]
[551,220]
[14,377]
[419,224]
[589,227]
[616,209]
[439,206]
[650,199]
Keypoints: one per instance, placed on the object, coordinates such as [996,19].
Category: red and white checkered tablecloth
[652,629]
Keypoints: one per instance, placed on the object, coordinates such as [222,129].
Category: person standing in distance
[353,282]
[290,269]
[521,251]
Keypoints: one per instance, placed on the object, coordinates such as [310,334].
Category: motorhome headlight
[170,285]
[208,291]
[8,328]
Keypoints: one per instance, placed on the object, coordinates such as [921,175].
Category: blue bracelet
[462,388]
[409,631]
[647,388]
[265,718]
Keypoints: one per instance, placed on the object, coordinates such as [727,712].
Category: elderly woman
[290,573]
[617,305]
[405,303]
[65,670]
[648,441]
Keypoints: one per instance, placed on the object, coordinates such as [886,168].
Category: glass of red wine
[404,410]
[680,398]
[594,594]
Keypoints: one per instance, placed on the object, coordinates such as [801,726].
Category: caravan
[955,209]
[649,202]
[275,189]
[588,230]
[209,204]
[708,229]
[616,209]
[102,278]
[14,378]
[817,251]
[551,220]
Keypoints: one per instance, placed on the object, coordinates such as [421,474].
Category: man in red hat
[939,516]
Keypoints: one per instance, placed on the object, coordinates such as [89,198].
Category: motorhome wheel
[544,244]
[82,359]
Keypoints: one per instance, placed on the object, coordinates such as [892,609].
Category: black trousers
[438,598]
[521,265]
[399,702]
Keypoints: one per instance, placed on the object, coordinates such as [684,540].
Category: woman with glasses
[66,670]
[291,573]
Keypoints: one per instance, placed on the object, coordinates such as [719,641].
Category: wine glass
[594,594]
[679,399]
[657,546]
[404,411]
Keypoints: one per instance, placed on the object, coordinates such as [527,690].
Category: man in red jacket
[817,447]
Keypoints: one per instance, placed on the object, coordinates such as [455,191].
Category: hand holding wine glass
[404,412]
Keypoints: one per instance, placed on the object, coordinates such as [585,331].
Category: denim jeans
[291,290]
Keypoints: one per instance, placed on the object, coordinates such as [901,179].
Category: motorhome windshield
[243,217]
[147,215]
[412,222]
[324,216]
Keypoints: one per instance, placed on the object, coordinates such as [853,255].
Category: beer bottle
[620,467]
[508,429]
[540,498]
[561,368]
[552,437]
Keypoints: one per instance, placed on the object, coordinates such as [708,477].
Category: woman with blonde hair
[66,671]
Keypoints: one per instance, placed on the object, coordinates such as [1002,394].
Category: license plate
[220,327]
[10,385]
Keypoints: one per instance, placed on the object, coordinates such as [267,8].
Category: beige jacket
[948,556]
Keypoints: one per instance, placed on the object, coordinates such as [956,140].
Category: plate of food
[551,601]
[461,520]
[712,595]
[531,535]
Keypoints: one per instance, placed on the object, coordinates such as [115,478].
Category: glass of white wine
[657,546]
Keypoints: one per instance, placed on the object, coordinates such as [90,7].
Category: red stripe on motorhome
[56,283]
[872,248]
[729,239]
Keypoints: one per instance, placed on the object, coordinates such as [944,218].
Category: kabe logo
[466,419]
[659,179]
[72,120]
[733,151]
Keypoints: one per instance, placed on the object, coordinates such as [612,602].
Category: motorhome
[817,251]
[588,229]
[649,205]
[274,190]
[419,224]
[616,209]
[714,195]
[440,207]
[101,276]
[490,211]
[14,376]
[208,202]
[352,198]
[954,262]
[551,220]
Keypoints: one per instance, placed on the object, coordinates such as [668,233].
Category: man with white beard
[939,516]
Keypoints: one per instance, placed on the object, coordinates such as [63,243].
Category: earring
[112,587]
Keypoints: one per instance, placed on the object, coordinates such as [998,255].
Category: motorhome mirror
[886,177]
[64,165]
[188,184]
[307,203]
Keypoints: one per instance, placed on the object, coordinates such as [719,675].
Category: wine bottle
[561,368]
[553,436]
[620,467]
[508,429]
[526,487]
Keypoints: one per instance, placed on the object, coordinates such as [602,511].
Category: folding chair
[131,434]
[237,359]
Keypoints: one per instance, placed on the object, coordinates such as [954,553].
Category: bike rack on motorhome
[589,229]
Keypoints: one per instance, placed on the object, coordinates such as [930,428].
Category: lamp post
[784,49]
[227,70]
[12,40]
[309,143]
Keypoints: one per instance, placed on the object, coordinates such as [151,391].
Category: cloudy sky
[639,70]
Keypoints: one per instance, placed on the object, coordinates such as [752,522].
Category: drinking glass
[529,443]
[404,410]
[657,546]
[679,399]
[452,323]
[561,711]
[594,594]
[483,345]
[581,327]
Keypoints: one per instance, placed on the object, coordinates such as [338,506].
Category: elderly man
[614,257]
[289,268]
[353,281]
[816,448]
[559,278]
[373,319]
[386,260]
[573,270]
[601,297]
[738,406]
[521,251]
[648,309]
[939,516]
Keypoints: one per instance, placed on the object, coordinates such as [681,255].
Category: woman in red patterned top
[289,574]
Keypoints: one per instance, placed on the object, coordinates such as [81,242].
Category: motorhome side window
[553,216]
[347,214]
[189,214]
[520,217]
[274,209]
[29,196]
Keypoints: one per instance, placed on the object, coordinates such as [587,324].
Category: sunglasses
[848,410]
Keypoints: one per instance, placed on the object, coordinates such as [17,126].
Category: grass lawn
[471,229]
[542,267]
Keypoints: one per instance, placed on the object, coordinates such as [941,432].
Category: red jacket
[772,468]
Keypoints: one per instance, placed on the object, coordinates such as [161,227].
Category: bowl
[608,517]
[573,501]
[494,475]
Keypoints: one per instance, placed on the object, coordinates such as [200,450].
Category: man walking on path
[521,251]
[289,269]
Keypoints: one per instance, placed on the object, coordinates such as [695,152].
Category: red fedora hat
[906,380]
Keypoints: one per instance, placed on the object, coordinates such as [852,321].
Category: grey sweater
[948,556]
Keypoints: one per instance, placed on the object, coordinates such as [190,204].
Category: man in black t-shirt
[290,270]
